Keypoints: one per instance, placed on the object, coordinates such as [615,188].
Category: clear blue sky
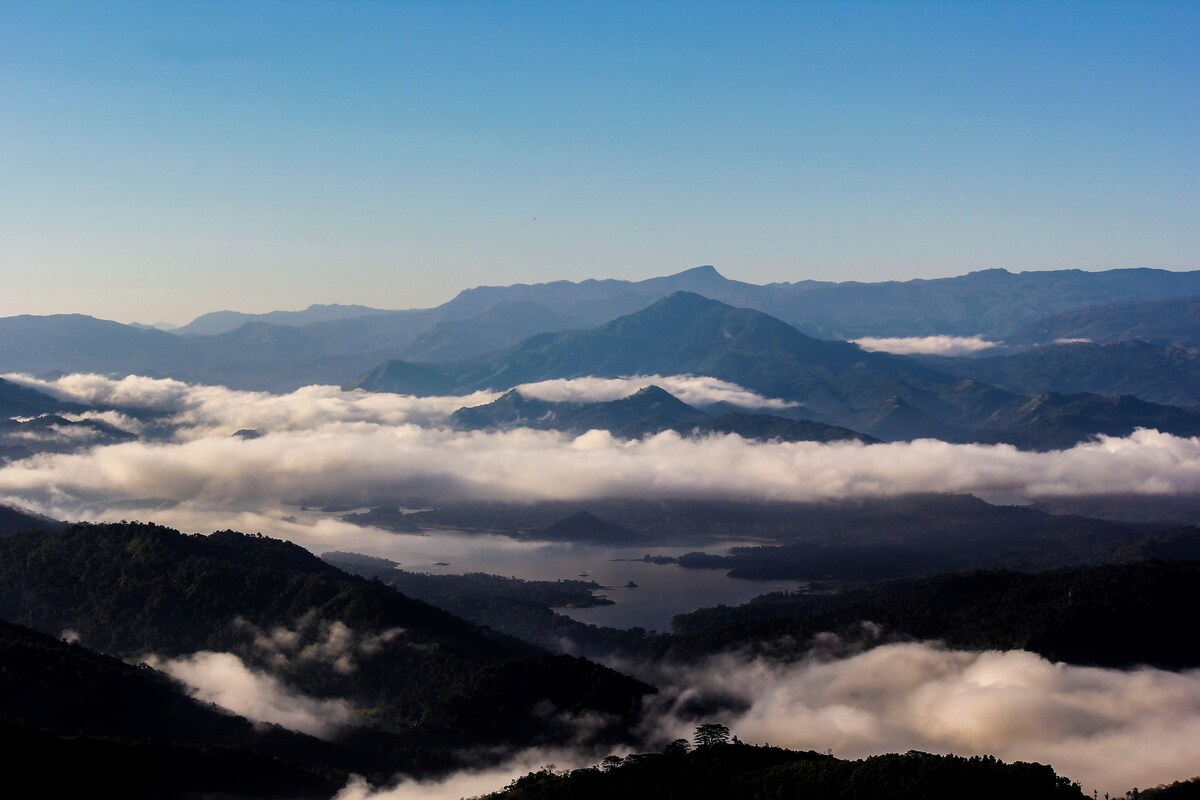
[162,159]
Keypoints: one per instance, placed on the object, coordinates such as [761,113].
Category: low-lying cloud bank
[188,411]
[925,345]
[223,679]
[197,411]
[1109,729]
[362,463]
[323,445]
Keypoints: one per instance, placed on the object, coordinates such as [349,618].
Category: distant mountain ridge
[1167,374]
[648,411]
[687,333]
[991,302]
[1169,320]
[281,351]
[215,322]
[886,396]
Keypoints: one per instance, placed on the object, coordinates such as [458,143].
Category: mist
[925,345]
[1109,729]
[322,446]
[224,679]
[474,782]
[363,463]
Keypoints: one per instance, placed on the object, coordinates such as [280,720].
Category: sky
[163,159]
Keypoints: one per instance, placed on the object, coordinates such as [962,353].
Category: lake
[663,590]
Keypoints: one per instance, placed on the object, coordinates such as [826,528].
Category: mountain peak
[652,391]
[707,271]
[657,398]
[584,526]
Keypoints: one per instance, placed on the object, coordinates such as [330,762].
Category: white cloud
[925,345]
[223,679]
[198,411]
[696,390]
[1109,729]
[362,463]
[114,418]
[1073,340]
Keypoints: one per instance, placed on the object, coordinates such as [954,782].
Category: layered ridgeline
[1113,615]
[648,411]
[134,732]
[886,396]
[331,344]
[34,422]
[995,303]
[687,333]
[21,401]
[399,683]
[1170,320]
[1158,373]
[866,539]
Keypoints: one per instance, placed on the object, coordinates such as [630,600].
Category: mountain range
[282,350]
[648,411]
[885,396]
[411,676]
[1156,372]
[1044,398]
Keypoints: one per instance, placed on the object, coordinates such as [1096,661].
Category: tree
[711,733]
[678,747]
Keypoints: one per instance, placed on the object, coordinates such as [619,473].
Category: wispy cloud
[313,639]
[473,782]
[223,678]
[926,345]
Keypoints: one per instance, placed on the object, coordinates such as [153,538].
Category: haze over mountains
[333,344]
[691,428]
[887,396]
[497,338]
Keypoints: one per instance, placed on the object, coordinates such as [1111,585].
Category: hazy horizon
[266,306]
[166,160]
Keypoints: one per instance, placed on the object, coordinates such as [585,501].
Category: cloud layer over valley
[323,445]
[1109,729]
